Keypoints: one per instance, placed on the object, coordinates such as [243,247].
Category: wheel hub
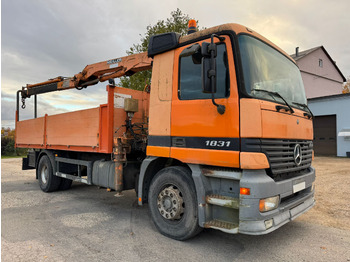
[44,174]
[170,203]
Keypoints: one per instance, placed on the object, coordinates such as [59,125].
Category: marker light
[192,26]
[268,223]
[244,191]
[313,186]
[269,203]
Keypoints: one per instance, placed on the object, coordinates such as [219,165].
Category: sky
[43,39]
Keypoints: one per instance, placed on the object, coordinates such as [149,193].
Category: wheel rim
[170,203]
[44,174]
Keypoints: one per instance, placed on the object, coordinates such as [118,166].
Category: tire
[65,184]
[173,203]
[47,180]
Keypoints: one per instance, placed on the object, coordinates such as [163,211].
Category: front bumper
[292,204]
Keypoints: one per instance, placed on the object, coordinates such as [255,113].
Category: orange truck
[221,139]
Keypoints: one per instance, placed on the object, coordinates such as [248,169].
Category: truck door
[199,134]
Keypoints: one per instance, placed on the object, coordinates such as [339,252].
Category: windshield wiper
[304,106]
[276,94]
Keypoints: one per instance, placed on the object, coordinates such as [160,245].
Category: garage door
[325,142]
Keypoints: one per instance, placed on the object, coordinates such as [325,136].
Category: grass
[6,157]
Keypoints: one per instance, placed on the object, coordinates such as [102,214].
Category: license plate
[298,187]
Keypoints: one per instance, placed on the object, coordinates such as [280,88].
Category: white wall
[339,106]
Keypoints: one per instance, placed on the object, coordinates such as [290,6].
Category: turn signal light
[244,191]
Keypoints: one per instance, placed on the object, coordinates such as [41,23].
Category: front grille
[280,154]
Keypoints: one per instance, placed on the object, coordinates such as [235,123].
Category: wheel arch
[149,168]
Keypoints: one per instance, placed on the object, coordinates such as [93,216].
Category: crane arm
[93,74]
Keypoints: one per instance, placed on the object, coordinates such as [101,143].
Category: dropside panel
[80,128]
[30,132]
[73,131]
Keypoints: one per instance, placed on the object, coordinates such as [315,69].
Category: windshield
[265,68]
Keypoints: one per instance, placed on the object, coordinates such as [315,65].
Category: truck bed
[89,130]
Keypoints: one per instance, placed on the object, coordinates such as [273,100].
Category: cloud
[44,39]
[8,109]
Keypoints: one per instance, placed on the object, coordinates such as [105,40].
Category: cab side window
[190,82]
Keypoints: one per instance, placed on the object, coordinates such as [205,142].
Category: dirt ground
[86,223]
[332,207]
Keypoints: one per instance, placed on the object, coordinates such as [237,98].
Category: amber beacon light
[192,26]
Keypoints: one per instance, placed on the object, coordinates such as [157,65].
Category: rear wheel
[65,184]
[173,203]
[47,180]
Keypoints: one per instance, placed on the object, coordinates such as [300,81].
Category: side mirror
[209,52]
[208,86]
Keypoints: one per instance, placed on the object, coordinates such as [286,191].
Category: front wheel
[173,203]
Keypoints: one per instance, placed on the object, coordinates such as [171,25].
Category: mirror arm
[221,108]
[219,37]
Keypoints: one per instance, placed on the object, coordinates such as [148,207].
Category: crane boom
[93,74]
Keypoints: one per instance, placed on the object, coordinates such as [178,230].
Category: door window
[190,82]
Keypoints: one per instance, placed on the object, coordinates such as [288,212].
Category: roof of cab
[237,28]
[168,41]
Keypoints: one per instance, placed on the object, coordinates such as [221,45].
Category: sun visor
[162,43]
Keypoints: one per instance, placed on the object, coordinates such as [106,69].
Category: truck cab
[251,163]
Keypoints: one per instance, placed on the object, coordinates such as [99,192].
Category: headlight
[268,204]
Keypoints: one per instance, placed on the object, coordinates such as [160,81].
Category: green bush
[8,147]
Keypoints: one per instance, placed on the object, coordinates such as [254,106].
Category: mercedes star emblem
[297,154]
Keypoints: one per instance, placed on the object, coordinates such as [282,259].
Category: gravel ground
[332,193]
[89,224]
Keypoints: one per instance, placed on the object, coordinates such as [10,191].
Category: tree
[176,23]
[346,86]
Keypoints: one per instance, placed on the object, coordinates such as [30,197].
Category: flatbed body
[89,130]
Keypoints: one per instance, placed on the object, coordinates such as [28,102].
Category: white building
[323,83]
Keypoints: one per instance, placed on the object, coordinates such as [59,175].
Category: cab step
[223,201]
[226,227]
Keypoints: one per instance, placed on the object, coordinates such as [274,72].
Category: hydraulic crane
[91,75]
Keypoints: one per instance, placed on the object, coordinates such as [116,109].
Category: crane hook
[23,103]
